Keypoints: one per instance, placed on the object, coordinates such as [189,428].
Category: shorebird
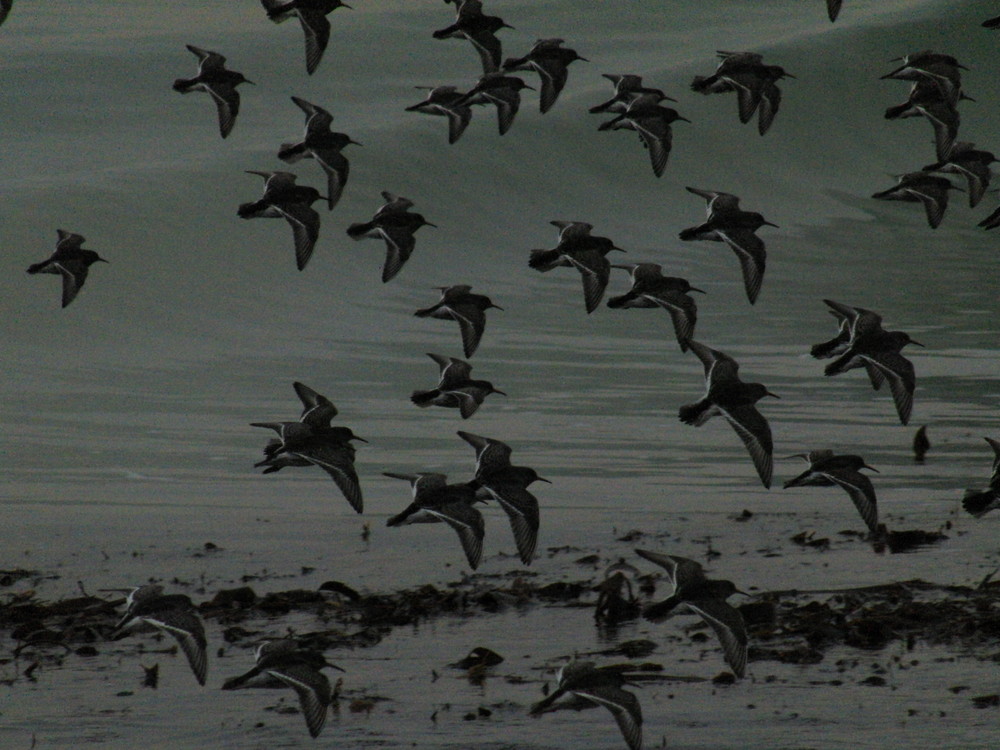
[921,187]
[395,224]
[323,145]
[601,686]
[878,351]
[727,222]
[455,389]
[579,249]
[458,303]
[313,441]
[650,288]
[826,469]
[550,60]
[944,71]
[652,121]
[496,478]
[147,608]
[503,92]
[729,396]
[435,500]
[286,663]
[215,79]
[283,199]
[312,15]
[628,87]
[927,100]
[966,160]
[71,261]
[980,502]
[754,82]
[443,101]
[472,24]
[707,599]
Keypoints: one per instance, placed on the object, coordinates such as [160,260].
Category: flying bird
[395,224]
[214,79]
[458,303]
[455,388]
[283,199]
[550,60]
[827,469]
[650,288]
[71,261]
[312,15]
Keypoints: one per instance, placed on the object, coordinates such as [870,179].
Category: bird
[472,24]
[729,396]
[579,249]
[989,23]
[395,224]
[313,441]
[312,15]
[287,663]
[283,199]
[926,99]
[878,351]
[435,500]
[323,145]
[706,598]
[455,388]
[147,607]
[921,444]
[652,121]
[550,60]
[727,222]
[850,320]
[458,303]
[443,101]
[827,469]
[926,66]
[980,502]
[628,87]
[973,164]
[601,686]
[215,79]
[650,288]
[71,261]
[502,91]
[833,9]
[6,5]
[992,221]
[497,479]
[921,187]
[754,82]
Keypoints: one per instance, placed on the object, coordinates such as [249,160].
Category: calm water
[126,442]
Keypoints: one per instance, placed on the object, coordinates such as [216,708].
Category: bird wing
[468,522]
[317,409]
[749,248]
[553,74]
[623,706]
[521,508]
[471,322]
[727,622]
[717,364]
[227,102]
[488,47]
[862,494]
[337,170]
[595,271]
[187,628]
[490,454]
[898,370]
[935,202]
[313,690]
[507,102]
[770,101]
[658,137]
[73,275]
[337,460]
[399,244]
[755,433]
[683,313]
[317,31]
[305,229]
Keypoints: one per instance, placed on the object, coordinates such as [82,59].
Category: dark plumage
[323,145]
[472,24]
[443,101]
[579,249]
[754,82]
[827,469]
[503,92]
[652,121]
[214,79]
[283,199]
[550,60]
[395,224]
[312,15]
[458,303]
[71,261]
[650,288]
[455,388]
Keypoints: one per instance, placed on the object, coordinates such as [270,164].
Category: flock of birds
[311,439]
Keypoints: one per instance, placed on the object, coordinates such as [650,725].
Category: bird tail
[695,414]
[423,398]
[544,260]
[291,152]
[359,230]
[661,610]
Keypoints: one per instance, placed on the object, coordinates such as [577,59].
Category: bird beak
[770,224]
[349,140]
[532,88]
[696,289]
[428,224]
[358,437]
[683,118]
[500,392]
[543,479]
[772,395]
[103,261]
[917,343]
[245,80]
[866,466]
[615,247]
